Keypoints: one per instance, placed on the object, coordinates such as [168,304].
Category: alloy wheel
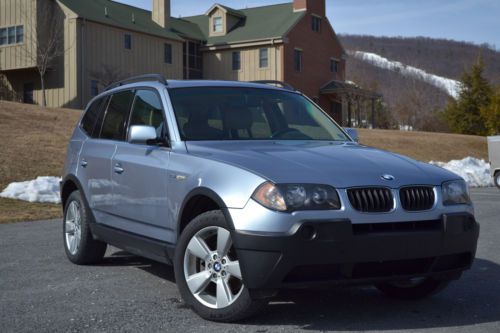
[73,227]
[211,268]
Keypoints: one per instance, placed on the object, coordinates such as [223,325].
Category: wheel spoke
[233,268]
[72,244]
[224,295]
[73,210]
[223,241]
[199,248]
[78,217]
[198,282]
[70,227]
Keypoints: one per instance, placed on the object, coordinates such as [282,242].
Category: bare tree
[108,74]
[45,33]
[6,93]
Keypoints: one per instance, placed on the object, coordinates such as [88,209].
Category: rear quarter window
[90,118]
[113,127]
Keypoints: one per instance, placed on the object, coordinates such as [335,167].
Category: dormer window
[222,19]
[218,27]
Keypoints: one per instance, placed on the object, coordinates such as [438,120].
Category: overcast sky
[477,21]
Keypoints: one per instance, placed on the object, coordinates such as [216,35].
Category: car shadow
[123,258]
[473,299]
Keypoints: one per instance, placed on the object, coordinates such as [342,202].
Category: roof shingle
[258,23]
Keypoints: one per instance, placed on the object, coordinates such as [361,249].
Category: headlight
[455,193]
[293,197]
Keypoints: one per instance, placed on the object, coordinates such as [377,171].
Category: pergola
[350,92]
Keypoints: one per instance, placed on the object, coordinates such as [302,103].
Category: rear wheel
[208,272]
[412,288]
[80,246]
[497,179]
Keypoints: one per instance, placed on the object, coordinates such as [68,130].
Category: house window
[236,61]
[297,60]
[3,36]
[128,42]
[19,34]
[94,88]
[192,60]
[168,53]
[12,35]
[316,23]
[217,24]
[263,58]
[334,66]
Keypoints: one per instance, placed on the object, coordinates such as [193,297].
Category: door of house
[336,112]
[28,93]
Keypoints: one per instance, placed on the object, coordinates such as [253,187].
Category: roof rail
[140,78]
[281,84]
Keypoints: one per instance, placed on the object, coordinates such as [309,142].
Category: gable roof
[226,9]
[259,23]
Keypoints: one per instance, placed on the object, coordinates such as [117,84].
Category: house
[102,41]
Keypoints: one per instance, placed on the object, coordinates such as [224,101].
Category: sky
[476,21]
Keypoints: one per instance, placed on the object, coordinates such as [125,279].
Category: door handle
[84,163]
[118,169]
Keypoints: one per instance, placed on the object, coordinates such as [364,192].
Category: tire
[215,295]
[80,246]
[409,290]
[497,179]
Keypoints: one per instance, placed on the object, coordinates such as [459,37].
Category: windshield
[224,113]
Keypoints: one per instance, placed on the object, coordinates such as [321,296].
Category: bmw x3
[250,188]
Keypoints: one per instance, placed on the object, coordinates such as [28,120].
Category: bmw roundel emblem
[217,267]
[388,177]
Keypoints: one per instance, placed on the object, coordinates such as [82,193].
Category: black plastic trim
[135,244]
[204,191]
[266,260]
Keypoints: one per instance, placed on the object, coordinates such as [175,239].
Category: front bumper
[339,252]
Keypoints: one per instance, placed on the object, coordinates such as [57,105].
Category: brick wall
[317,50]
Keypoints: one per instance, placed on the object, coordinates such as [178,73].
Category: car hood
[338,164]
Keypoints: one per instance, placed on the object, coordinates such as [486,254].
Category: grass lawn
[33,143]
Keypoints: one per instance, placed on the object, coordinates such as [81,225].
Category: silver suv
[249,188]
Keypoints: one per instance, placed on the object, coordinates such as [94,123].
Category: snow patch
[452,87]
[42,189]
[476,172]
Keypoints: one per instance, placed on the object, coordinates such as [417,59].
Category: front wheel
[208,273]
[416,288]
[497,179]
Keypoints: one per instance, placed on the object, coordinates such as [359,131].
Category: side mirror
[141,135]
[353,133]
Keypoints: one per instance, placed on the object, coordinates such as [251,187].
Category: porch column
[373,113]
[349,113]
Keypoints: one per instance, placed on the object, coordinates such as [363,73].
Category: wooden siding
[217,12]
[218,64]
[61,78]
[103,46]
[14,13]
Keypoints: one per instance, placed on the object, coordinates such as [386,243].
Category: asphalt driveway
[41,291]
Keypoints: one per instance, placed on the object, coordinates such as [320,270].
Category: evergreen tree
[491,114]
[464,114]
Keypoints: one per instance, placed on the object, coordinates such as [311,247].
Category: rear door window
[113,127]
